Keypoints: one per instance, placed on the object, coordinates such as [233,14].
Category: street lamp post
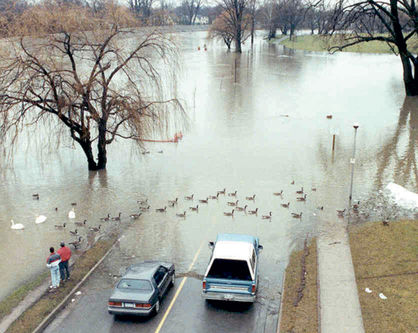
[353,161]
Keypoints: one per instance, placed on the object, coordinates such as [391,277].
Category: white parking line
[178,290]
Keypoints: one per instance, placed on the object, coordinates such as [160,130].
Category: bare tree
[235,11]
[221,30]
[141,8]
[400,19]
[93,76]
[191,9]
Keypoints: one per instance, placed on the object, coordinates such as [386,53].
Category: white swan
[40,219]
[71,214]
[17,226]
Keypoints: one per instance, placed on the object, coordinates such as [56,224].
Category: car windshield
[134,284]
[229,269]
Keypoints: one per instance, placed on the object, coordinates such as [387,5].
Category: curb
[47,320]
[281,303]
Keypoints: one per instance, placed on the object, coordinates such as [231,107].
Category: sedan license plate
[228,296]
[129,305]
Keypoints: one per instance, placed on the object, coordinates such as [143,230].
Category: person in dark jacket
[65,254]
[52,262]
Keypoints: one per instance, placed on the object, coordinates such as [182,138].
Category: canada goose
[266,217]
[135,216]
[181,215]
[56,209]
[233,194]
[107,218]
[250,198]
[229,214]
[313,189]
[171,204]
[285,205]
[300,191]
[161,210]
[17,226]
[204,200]
[60,226]
[144,209]
[320,208]
[253,212]
[385,223]
[241,208]
[356,206]
[80,223]
[117,218]
[340,212]
[74,204]
[278,193]
[297,216]
[301,198]
[189,197]
[292,182]
[40,219]
[75,232]
[76,243]
[142,202]
[35,196]
[214,196]
[329,116]
[173,201]
[230,203]
[221,192]
[71,214]
[95,229]
[195,209]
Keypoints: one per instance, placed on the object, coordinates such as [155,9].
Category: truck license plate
[129,305]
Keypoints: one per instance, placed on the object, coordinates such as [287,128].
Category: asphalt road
[189,313]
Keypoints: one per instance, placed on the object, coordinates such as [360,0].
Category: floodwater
[257,122]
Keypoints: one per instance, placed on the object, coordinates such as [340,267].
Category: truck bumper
[231,297]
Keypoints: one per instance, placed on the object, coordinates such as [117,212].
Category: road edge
[281,303]
[48,319]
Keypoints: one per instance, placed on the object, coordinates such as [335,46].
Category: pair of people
[57,262]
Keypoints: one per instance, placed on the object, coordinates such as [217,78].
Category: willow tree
[88,73]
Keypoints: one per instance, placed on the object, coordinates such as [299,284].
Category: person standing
[52,262]
[65,253]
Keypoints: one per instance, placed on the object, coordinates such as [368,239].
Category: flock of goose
[145,207]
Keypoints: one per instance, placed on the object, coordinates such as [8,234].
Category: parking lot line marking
[178,291]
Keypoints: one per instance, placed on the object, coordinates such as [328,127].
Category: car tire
[157,307]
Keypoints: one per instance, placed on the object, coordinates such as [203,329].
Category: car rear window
[134,284]
[229,269]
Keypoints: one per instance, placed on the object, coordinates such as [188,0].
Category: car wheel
[157,307]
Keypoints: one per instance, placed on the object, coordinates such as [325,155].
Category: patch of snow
[367,290]
[382,296]
[401,196]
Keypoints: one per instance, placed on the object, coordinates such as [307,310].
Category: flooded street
[257,123]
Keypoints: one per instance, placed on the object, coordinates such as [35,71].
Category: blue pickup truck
[232,272]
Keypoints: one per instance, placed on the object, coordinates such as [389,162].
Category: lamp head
[356,125]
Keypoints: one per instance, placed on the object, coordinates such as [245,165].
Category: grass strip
[322,43]
[32,317]
[299,312]
[11,301]
[385,260]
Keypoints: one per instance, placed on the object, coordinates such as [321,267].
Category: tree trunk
[238,39]
[410,80]
[272,32]
[86,146]
[101,146]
